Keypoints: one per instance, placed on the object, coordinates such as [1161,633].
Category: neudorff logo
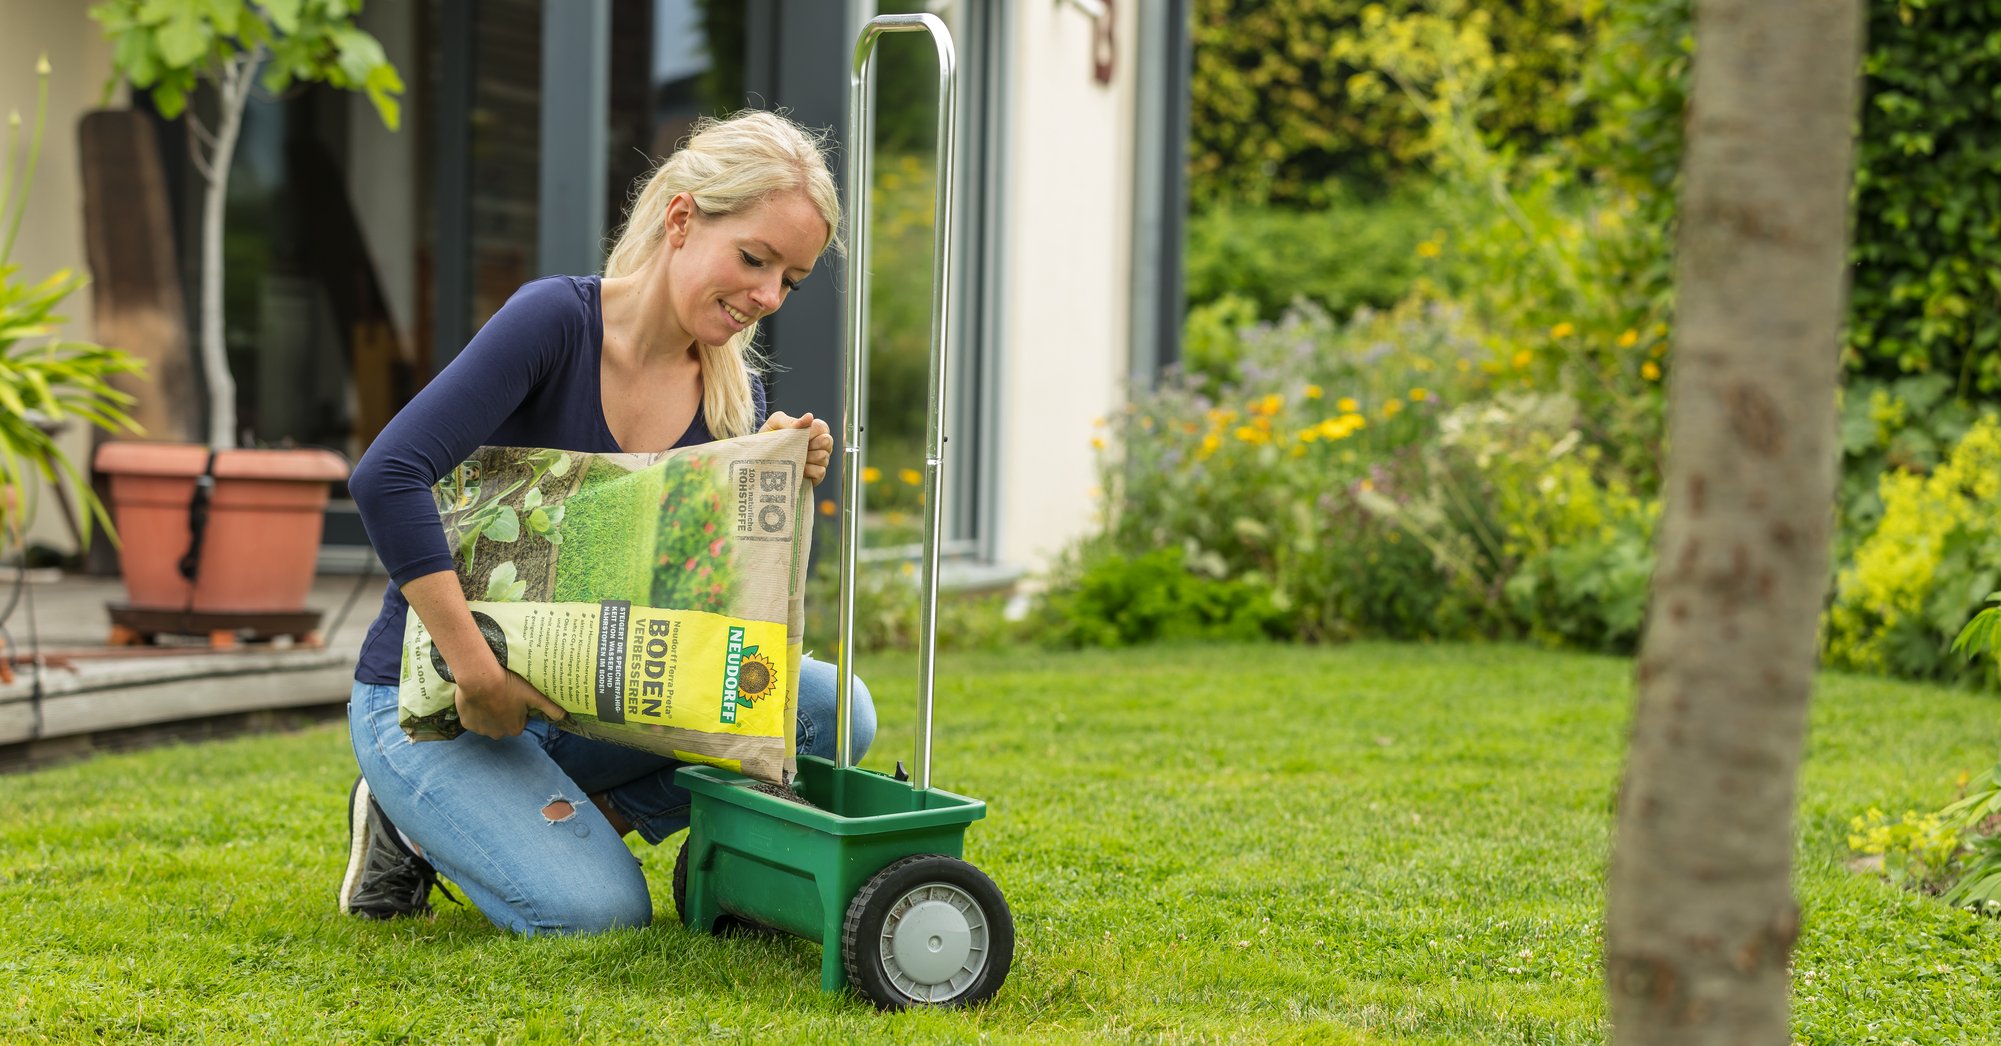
[732,669]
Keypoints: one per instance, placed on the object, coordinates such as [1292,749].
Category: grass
[1371,843]
[605,550]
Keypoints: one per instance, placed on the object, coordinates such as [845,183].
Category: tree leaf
[170,99]
[283,13]
[183,39]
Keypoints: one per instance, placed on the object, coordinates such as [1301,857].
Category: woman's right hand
[492,701]
[497,704]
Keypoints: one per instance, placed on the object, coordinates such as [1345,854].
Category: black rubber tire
[681,883]
[727,925]
[870,909]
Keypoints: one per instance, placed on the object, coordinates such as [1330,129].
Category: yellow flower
[1097,443]
[910,476]
[1522,359]
[1097,423]
[1209,445]
[828,508]
[1367,484]
[1392,408]
[1429,249]
[1299,450]
[871,474]
[1629,339]
[1562,330]
[1650,371]
[1269,405]
[1345,405]
[1465,365]
[1419,395]
[1313,392]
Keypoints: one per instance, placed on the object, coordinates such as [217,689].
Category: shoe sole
[357,846]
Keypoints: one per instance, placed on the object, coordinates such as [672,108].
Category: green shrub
[1257,474]
[1114,599]
[1564,276]
[1927,235]
[1343,256]
[1516,505]
[1905,425]
[1917,850]
[1213,332]
[1280,111]
[1927,256]
[1925,569]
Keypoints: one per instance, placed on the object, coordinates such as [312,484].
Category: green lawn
[1374,843]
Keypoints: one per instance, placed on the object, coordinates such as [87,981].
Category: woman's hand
[497,705]
[819,448]
[492,701]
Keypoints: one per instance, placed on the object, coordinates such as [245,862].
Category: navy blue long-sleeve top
[529,378]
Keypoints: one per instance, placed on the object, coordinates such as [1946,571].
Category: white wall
[1068,279]
[51,235]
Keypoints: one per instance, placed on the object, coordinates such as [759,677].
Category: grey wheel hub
[935,942]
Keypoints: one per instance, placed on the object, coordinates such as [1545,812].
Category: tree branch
[197,135]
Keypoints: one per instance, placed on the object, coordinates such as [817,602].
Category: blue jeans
[475,806]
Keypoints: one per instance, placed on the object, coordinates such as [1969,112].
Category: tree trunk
[1700,918]
[232,94]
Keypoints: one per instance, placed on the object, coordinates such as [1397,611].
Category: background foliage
[1496,200]
[1281,113]
[1926,281]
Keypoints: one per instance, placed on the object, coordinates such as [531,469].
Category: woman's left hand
[819,448]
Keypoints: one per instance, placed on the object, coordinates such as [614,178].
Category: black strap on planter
[198,522]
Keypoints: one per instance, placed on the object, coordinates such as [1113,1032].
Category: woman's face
[731,270]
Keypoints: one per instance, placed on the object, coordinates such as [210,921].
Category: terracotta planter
[263,536]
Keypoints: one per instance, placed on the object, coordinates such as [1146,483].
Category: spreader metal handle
[861,129]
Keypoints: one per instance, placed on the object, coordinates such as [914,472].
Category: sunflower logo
[754,679]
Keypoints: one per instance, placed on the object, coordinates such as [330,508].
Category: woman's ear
[680,212]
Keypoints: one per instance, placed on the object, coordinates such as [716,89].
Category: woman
[528,820]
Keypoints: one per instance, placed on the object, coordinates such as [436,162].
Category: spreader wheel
[727,925]
[929,930]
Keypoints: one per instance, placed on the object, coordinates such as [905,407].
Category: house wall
[51,236]
[1068,278]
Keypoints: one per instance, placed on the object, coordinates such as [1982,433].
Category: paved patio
[87,696]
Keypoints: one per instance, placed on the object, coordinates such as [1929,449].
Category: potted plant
[227,531]
[45,380]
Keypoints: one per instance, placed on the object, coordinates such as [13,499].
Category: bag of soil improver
[658,598]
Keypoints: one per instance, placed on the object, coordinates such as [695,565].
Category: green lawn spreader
[866,863]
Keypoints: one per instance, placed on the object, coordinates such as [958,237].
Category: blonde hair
[728,165]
